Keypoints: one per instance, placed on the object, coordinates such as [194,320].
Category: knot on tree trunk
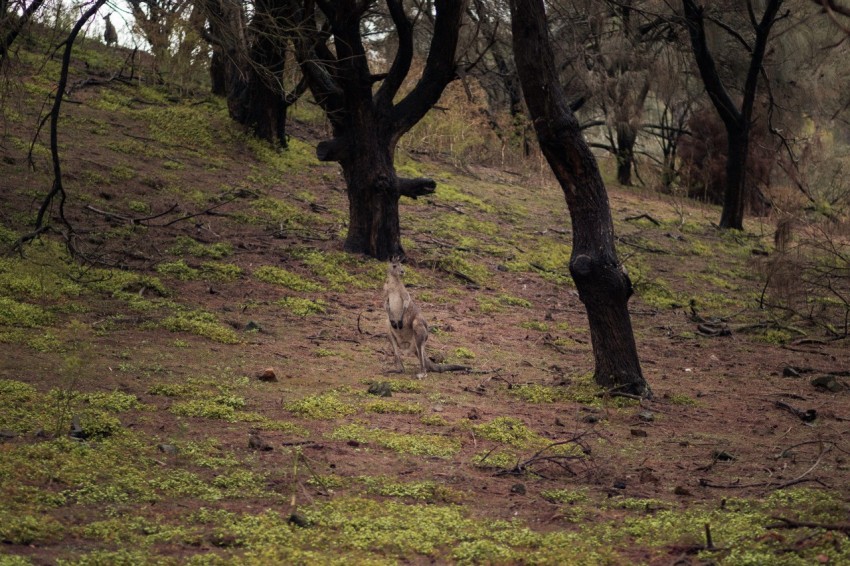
[596,276]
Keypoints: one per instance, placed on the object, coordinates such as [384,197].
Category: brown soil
[713,395]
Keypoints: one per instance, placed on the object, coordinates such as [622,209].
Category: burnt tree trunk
[735,194]
[603,285]
[737,121]
[367,122]
[626,138]
[263,103]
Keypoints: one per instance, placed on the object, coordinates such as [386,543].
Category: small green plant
[179,270]
[417,444]
[535,393]
[384,406]
[302,307]
[535,325]
[434,420]
[323,406]
[506,430]
[568,496]
[187,245]
[284,278]
[202,324]
[464,353]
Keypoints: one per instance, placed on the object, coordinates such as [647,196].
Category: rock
[722,456]
[518,488]
[256,442]
[620,484]
[253,326]
[647,416]
[591,419]
[268,375]
[790,371]
[827,382]
[639,432]
[380,389]
[77,431]
[679,490]
[473,414]
[299,520]
[167,448]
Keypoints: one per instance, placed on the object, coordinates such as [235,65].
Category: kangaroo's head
[396,268]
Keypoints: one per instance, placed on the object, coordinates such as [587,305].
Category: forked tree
[603,285]
[363,106]
[737,117]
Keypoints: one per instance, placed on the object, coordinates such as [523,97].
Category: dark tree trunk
[626,137]
[263,101]
[737,121]
[373,220]
[603,285]
[367,121]
[218,72]
[735,194]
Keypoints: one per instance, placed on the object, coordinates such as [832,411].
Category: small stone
[590,419]
[438,408]
[647,416]
[253,326]
[268,375]
[789,371]
[679,490]
[473,414]
[77,431]
[256,442]
[639,432]
[380,389]
[619,484]
[167,448]
[722,456]
[827,382]
[353,443]
[518,488]
[299,520]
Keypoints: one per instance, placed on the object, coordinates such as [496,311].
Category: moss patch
[323,406]
[417,444]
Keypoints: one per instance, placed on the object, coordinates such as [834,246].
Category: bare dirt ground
[211,464]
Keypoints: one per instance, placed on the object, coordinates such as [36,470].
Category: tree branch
[403,57]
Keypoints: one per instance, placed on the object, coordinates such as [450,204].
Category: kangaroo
[110,35]
[407,329]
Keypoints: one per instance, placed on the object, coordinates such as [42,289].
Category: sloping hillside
[198,390]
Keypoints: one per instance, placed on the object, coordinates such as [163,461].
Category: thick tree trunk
[603,285]
[373,220]
[735,193]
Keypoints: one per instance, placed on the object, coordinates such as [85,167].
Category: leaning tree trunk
[603,285]
[735,192]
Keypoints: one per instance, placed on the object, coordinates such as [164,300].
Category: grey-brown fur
[110,35]
[406,327]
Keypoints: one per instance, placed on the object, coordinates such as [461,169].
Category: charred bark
[737,121]
[367,122]
[603,285]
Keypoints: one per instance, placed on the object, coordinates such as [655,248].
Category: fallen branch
[644,215]
[794,524]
